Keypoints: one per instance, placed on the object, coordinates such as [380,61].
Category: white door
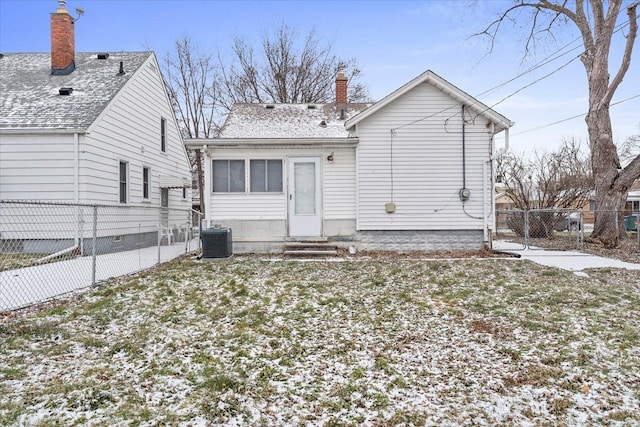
[305,216]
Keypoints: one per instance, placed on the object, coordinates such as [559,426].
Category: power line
[573,117]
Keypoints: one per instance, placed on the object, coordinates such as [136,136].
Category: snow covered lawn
[359,342]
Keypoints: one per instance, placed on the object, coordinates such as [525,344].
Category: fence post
[638,228]
[159,227]
[93,245]
[526,229]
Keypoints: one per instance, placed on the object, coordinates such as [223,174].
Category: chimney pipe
[62,41]
[341,95]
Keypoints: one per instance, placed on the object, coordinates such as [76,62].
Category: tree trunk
[610,194]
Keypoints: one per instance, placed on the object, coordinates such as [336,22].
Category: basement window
[103,56]
[269,106]
[311,107]
[65,91]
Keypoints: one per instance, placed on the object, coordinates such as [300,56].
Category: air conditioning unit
[216,243]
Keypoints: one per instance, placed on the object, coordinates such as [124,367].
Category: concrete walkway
[23,287]
[567,260]
[573,261]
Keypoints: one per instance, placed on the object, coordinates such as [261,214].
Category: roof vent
[269,106]
[121,72]
[65,90]
[311,107]
[323,124]
[1,55]
[103,56]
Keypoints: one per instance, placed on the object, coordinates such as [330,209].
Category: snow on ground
[396,341]
[21,287]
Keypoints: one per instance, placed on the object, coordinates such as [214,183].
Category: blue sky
[392,42]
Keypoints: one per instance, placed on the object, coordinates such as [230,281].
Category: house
[410,172]
[91,128]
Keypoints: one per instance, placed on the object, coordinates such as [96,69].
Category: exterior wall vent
[65,90]
[103,56]
[269,106]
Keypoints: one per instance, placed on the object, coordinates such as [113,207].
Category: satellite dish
[80,12]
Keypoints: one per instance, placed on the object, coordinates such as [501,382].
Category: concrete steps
[310,249]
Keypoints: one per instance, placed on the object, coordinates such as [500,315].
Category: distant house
[410,172]
[91,128]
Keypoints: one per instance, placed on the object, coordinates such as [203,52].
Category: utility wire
[574,117]
[545,61]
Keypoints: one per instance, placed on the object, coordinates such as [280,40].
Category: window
[164,197]
[592,205]
[228,176]
[145,183]
[123,181]
[163,135]
[184,192]
[266,175]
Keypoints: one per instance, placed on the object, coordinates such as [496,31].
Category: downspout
[76,186]
[485,175]
[207,183]
[464,193]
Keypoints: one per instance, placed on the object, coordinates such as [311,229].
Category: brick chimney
[62,41]
[341,95]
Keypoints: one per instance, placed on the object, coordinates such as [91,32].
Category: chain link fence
[557,229]
[49,250]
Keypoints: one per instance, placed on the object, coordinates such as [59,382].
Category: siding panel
[419,165]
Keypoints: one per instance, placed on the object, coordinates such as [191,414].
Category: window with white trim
[163,134]
[265,176]
[228,176]
[145,183]
[124,181]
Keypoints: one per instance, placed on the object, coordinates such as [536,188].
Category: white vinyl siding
[37,167]
[427,164]
[130,129]
[338,186]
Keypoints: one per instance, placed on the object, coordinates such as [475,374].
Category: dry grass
[360,341]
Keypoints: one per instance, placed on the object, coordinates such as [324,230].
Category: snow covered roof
[30,97]
[287,121]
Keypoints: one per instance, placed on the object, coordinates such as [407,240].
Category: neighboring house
[410,172]
[92,128]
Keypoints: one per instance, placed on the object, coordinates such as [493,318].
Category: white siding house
[410,172]
[99,130]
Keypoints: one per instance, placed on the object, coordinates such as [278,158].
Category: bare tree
[559,179]
[283,70]
[630,148]
[191,81]
[597,27]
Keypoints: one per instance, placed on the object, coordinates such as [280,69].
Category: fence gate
[556,229]
[510,230]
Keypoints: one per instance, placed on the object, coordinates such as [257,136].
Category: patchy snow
[287,121]
[25,286]
[249,341]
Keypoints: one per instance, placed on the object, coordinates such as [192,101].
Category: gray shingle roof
[29,95]
[287,121]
